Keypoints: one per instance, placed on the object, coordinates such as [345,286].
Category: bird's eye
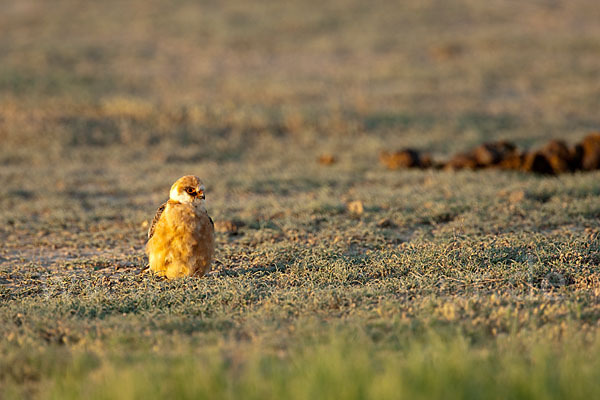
[190,190]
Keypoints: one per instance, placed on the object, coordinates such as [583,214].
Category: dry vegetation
[335,277]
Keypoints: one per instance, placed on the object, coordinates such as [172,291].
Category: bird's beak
[200,195]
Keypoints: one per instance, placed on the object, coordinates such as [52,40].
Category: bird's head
[188,189]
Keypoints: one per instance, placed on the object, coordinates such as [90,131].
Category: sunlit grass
[473,284]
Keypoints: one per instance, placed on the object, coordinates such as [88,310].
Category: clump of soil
[462,161]
[327,159]
[355,207]
[537,162]
[556,157]
[407,158]
[493,154]
[589,150]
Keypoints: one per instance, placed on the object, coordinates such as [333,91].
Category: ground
[463,284]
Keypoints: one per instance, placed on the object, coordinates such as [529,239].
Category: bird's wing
[155,220]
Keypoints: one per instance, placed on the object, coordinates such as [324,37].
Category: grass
[448,285]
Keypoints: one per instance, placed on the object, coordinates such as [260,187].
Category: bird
[181,238]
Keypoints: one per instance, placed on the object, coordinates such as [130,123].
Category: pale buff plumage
[181,239]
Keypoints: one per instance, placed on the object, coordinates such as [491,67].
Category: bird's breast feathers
[187,217]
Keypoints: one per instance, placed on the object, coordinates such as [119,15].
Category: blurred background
[439,75]
[119,98]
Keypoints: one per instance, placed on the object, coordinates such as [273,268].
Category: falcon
[181,238]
